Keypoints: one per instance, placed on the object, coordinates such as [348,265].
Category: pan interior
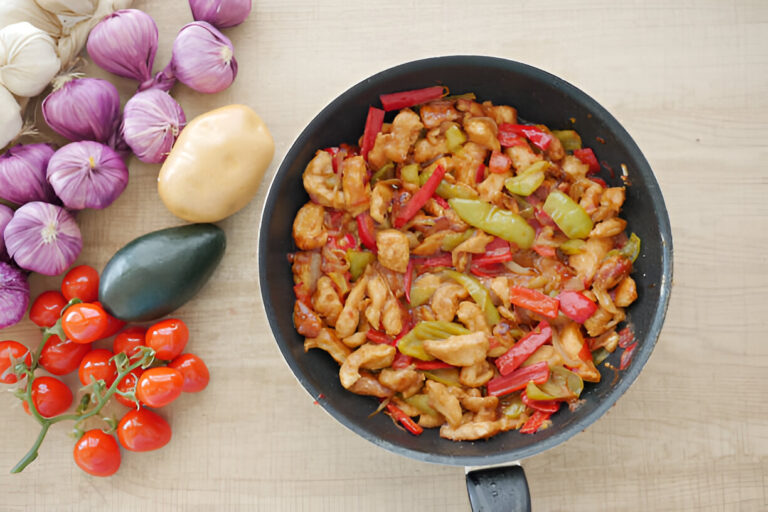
[540,98]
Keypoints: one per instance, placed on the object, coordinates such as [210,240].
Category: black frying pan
[539,97]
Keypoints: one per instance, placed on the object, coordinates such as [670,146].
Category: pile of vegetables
[42,187]
[144,369]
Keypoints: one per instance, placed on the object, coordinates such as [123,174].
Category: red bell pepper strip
[534,300]
[408,280]
[480,175]
[523,349]
[365,229]
[545,251]
[442,202]
[576,306]
[419,199]
[344,242]
[517,380]
[549,406]
[585,354]
[587,156]
[431,365]
[443,260]
[405,420]
[488,270]
[401,361]
[335,158]
[490,259]
[378,337]
[599,181]
[626,356]
[536,135]
[405,99]
[499,162]
[373,124]
[535,422]
[626,337]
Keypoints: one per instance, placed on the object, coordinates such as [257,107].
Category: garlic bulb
[28,57]
[70,7]
[14,11]
[10,117]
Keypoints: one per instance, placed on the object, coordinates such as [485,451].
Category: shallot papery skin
[5,217]
[152,121]
[203,58]
[125,43]
[87,174]
[43,238]
[83,109]
[23,174]
[14,295]
[221,13]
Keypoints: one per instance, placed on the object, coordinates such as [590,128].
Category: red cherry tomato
[168,338]
[159,386]
[62,357]
[50,396]
[128,384]
[16,350]
[81,282]
[113,324]
[97,453]
[193,369]
[46,309]
[97,363]
[129,341]
[84,323]
[143,430]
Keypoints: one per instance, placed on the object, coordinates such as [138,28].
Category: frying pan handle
[498,489]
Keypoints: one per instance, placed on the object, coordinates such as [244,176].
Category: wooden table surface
[688,79]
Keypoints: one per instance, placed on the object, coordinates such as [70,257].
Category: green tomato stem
[78,418]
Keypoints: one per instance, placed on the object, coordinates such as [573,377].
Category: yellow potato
[216,165]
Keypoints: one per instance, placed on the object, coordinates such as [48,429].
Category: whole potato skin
[216,165]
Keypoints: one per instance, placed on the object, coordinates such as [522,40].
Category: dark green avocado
[160,271]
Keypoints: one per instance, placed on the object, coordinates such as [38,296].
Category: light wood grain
[688,79]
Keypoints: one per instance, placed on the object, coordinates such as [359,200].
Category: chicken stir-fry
[467,270]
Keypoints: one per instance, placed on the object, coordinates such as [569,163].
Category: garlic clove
[203,58]
[10,117]
[29,59]
[152,120]
[43,238]
[14,295]
[14,11]
[220,13]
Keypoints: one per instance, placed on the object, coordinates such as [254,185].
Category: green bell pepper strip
[452,240]
[454,138]
[491,219]
[420,295]
[569,216]
[358,260]
[631,249]
[572,247]
[448,190]
[410,173]
[479,294]
[570,140]
[385,173]
[412,344]
[562,385]
[447,376]
[421,402]
[514,408]
[420,198]
[526,183]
